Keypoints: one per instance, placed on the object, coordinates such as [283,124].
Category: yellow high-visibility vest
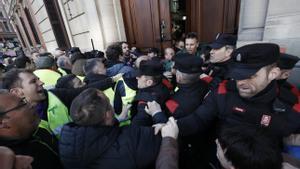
[57,113]
[127,99]
[47,76]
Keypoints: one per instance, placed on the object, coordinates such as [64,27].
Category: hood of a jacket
[92,77]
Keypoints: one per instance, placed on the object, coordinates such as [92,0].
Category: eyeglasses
[22,103]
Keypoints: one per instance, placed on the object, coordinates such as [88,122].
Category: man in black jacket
[150,88]
[94,140]
[220,58]
[19,131]
[251,98]
[94,70]
[287,91]
[190,94]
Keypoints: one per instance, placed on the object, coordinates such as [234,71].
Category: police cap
[222,40]
[247,60]
[150,68]
[287,61]
[188,63]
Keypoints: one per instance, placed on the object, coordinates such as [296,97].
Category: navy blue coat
[225,106]
[108,147]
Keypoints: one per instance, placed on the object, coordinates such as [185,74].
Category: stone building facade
[6,30]
[66,23]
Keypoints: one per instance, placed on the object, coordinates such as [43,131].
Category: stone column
[95,24]
[252,20]
[283,25]
[112,24]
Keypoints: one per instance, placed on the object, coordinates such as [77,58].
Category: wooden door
[147,23]
[209,17]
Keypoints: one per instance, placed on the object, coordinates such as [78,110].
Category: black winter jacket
[108,147]
[227,107]
[158,93]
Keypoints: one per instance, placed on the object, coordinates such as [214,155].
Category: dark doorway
[57,24]
[210,17]
[206,17]
[155,23]
[178,16]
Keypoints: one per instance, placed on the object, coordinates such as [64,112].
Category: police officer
[191,90]
[250,98]
[290,94]
[190,94]
[287,91]
[220,58]
[150,88]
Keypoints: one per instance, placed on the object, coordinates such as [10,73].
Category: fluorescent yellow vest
[57,114]
[176,89]
[110,94]
[127,99]
[80,77]
[47,76]
[62,71]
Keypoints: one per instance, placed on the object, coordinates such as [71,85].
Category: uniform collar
[151,88]
[223,64]
[190,86]
[157,92]
[267,95]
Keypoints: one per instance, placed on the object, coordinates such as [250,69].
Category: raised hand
[170,129]
[116,77]
[152,108]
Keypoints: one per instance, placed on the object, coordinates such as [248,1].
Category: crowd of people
[191,106]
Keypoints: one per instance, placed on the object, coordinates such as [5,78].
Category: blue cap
[150,68]
[223,39]
[287,61]
[247,60]
[188,63]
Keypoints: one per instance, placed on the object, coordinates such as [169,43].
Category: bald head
[18,119]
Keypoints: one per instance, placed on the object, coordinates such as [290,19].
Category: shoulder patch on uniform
[142,102]
[222,87]
[239,109]
[167,84]
[296,107]
[294,90]
[172,105]
[207,79]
